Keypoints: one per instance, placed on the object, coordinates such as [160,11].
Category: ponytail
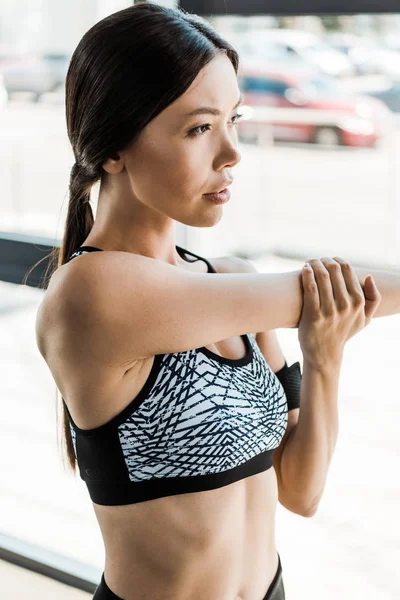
[79,223]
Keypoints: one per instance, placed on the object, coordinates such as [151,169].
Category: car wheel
[328,136]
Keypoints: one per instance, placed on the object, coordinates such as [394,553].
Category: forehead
[215,85]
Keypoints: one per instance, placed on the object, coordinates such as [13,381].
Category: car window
[322,86]
[264,48]
[265,85]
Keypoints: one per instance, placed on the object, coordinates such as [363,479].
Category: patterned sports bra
[201,421]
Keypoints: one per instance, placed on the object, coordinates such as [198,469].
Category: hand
[335,308]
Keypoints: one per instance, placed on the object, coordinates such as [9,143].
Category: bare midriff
[218,544]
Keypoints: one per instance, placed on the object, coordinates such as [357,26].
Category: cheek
[178,168]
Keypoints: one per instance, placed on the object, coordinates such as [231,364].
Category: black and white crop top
[200,422]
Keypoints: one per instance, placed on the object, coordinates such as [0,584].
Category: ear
[114,165]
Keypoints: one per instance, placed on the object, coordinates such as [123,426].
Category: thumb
[372,297]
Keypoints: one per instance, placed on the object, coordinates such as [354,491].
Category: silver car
[35,73]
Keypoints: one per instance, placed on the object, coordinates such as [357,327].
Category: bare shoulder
[65,289]
[76,281]
[72,305]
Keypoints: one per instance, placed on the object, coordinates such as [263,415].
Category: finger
[371,289]
[372,297]
[340,291]
[352,282]
[311,295]
[323,279]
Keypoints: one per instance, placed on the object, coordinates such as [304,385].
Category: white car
[357,50]
[3,93]
[301,45]
[387,60]
[367,54]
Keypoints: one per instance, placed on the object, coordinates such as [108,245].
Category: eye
[197,130]
[237,117]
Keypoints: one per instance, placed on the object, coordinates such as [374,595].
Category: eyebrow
[205,110]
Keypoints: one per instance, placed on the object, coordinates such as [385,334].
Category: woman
[175,439]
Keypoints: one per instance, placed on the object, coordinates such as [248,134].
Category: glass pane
[318,176]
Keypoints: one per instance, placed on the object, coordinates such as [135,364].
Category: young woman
[176,415]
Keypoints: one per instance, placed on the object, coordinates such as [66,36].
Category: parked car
[300,45]
[392,41]
[384,60]
[3,93]
[36,73]
[360,54]
[357,120]
[272,52]
[387,91]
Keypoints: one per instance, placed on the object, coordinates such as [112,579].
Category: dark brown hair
[126,69]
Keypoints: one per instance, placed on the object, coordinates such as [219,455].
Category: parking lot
[294,199]
[291,200]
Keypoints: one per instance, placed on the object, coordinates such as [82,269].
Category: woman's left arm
[308,450]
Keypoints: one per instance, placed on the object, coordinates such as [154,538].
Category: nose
[229,155]
[237,157]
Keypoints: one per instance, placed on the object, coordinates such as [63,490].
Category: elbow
[301,509]
[312,508]
[310,512]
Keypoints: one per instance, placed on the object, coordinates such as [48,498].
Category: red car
[355,120]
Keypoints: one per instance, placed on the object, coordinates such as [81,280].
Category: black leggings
[276,590]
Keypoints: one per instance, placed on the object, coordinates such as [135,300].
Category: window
[264,85]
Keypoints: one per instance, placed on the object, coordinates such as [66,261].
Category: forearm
[309,448]
[388,284]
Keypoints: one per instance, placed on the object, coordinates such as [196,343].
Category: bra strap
[79,250]
[210,267]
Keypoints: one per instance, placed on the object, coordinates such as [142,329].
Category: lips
[221,189]
[216,192]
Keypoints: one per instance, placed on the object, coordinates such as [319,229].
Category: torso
[216,544]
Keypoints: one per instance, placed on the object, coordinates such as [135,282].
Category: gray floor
[350,548]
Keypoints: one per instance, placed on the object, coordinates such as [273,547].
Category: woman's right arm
[128,306]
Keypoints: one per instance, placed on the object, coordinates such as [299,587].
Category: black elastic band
[290,378]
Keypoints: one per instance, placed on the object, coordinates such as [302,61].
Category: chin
[211,219]
[206,219]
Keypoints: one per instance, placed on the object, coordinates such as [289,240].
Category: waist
[169,534]
[241,566]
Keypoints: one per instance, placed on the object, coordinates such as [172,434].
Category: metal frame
[50,564]
[18,252]
[289,7]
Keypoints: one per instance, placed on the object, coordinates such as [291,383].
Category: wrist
[331,366]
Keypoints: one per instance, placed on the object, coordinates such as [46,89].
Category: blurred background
[319,176]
